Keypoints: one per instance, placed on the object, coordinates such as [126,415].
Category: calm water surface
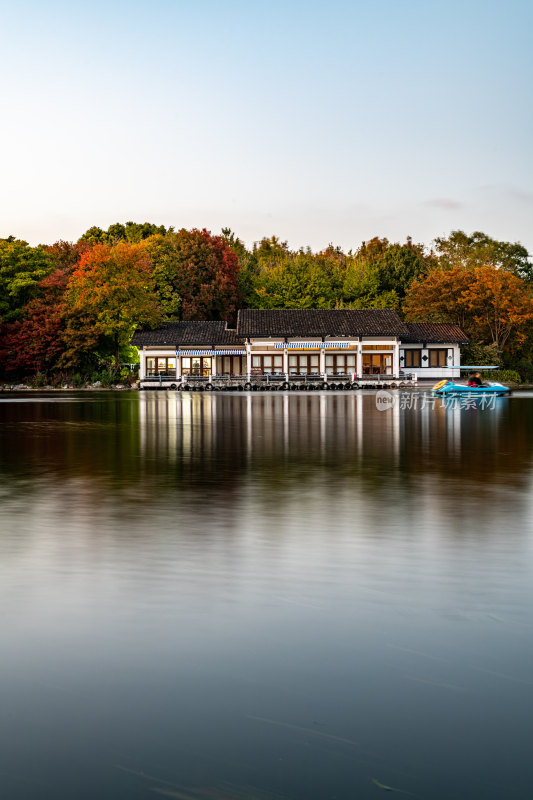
[269,596]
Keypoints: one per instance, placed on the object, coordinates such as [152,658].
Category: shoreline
[11,389]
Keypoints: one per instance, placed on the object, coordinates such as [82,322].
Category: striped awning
[211,353]
[312,345]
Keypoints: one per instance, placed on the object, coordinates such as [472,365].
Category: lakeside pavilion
[332,348]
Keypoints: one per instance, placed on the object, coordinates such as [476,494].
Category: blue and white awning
[211,353]
[312,345]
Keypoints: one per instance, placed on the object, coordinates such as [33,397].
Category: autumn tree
[110,293]
[248,267]
[65,255]
[491,305]
[501,305]
[34,344]
[195,274]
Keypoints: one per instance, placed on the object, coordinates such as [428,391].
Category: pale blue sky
[318,122]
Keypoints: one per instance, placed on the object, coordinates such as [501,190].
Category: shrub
[38,380]
[525,368]
[475,353]
[502,375]
[106,378]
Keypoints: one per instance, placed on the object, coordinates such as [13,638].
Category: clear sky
[315,121]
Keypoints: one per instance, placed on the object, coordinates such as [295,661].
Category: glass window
[412,358]
[197,365]
[266,365]
[341,364]
[161,365]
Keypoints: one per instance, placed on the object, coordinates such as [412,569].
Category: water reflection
[262,596]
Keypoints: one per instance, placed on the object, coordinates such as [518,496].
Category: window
[161,366]
[304,365]
[266,365]
[438,358]
[412,358]
[197,365]
[340,365]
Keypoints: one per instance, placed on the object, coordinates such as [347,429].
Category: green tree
[299,282]
[479,250]
[132,232]
[379,273]
[22,268]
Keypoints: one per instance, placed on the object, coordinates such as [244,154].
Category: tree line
[69,309]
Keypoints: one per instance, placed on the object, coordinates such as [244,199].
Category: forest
[68,309]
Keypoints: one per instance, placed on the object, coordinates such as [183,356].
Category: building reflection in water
[217,440]
[193,426]
[188,447]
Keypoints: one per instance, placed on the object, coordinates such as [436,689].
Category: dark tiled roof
[312,322]
[188,333]
[437,332]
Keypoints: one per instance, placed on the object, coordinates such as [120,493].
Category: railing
[155,373]
[204,378]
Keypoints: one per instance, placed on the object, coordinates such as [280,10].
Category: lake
[259,596]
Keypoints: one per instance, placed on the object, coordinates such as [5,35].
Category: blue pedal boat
[451,388]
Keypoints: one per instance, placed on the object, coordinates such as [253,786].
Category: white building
[432,349]
[322,348]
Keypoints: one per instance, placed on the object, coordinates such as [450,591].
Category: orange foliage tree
[491,305]
[109,294]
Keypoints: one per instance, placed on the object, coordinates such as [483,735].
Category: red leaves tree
[34,344]
[195,275]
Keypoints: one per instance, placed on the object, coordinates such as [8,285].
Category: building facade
[432,349]
[336,348]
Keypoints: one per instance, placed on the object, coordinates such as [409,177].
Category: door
[377,363]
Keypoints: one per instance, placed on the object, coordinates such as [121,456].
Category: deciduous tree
[479,250]
[34,344]
[22,268]
[111,292]
[491,305]
[196,275]
[133,232]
